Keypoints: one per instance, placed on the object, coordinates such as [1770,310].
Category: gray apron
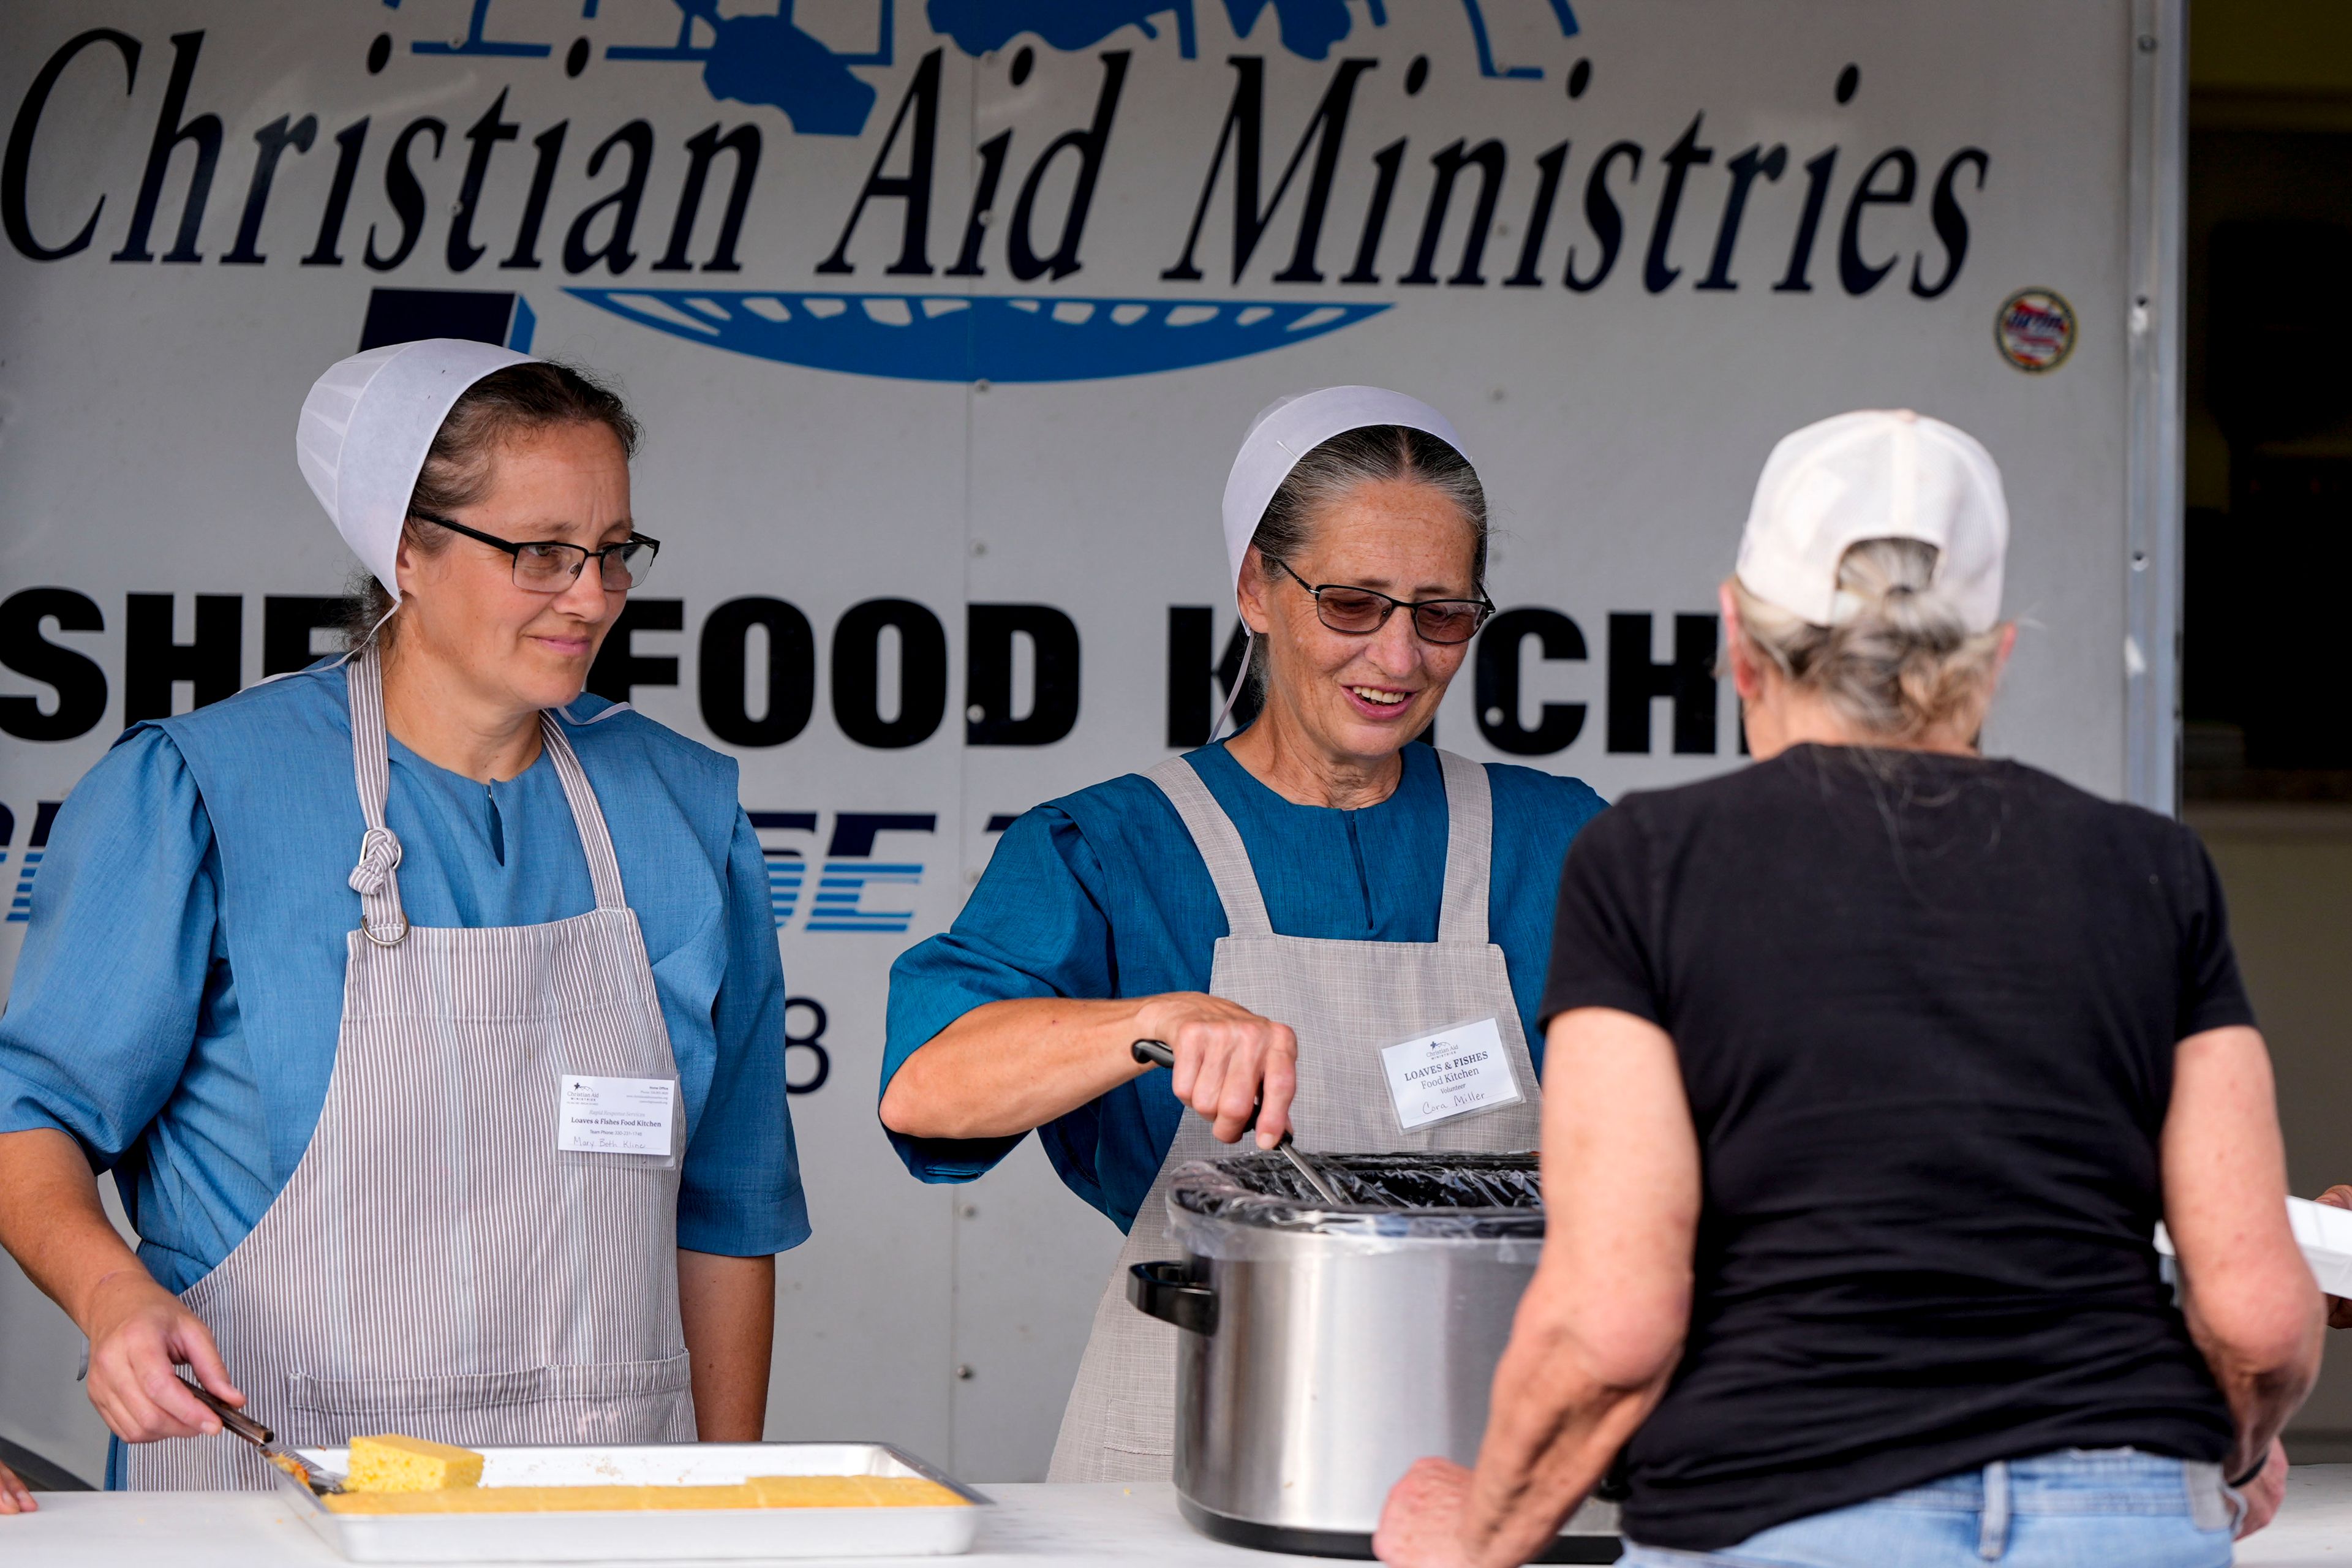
[1345,1001]
[435,1266]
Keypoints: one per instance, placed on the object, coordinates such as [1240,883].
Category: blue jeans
[2077,1508]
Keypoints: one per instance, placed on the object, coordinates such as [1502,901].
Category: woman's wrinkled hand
[140,1335]
[2339,1308]
[2265,1492]
[15,1497]
[1421,1524]
[1232,1066]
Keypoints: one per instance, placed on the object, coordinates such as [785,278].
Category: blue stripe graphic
[20,907]
[841,888]
[963,337]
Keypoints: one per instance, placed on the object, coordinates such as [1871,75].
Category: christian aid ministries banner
[944,320]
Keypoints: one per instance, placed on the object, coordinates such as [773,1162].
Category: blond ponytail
[1902,666]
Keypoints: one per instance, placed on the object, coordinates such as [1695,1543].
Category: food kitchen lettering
[1866,216]
[60,638]
[57,639]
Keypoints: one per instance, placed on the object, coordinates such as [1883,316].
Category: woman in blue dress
[1299,913]
[427,1012]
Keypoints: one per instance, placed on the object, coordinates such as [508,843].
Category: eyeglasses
[1360,611]
[550,566]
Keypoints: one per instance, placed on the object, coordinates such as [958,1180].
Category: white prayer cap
[1288,428]
[1876,474]
[365,430]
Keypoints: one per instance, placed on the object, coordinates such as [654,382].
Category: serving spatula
[321,1481]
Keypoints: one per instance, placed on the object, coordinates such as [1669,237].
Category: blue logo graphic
[962,337]
[1307,27]
[847,870]
[768,58]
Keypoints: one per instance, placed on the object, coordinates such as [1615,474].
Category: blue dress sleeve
[103,1012]
[739,1192]
[1033,927]
[1537,816]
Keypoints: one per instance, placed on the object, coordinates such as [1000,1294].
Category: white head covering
[366,427]
[1288,428]
[1285,431]
[1876,474]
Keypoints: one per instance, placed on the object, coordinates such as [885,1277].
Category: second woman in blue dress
[1297,913]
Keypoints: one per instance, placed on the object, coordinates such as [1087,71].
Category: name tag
[1451,1073]
[614,1115]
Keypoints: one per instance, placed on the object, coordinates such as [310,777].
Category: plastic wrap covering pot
[1326,1350]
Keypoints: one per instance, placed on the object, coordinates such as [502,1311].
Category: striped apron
[1345,1001]
[435,1265]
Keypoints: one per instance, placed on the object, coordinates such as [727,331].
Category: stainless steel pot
[1324,1351]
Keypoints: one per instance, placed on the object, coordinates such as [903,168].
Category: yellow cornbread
[851,1491]
[500,1500]
[395,1464]
[760,1491]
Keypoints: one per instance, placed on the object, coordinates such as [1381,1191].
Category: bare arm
[727,1308]
[1006,1066]
[53,1225]
[2252,1303]
[1601,1328]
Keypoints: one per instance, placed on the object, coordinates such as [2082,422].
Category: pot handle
[1167,1291]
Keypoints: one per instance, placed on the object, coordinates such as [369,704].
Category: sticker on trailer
[2035,330]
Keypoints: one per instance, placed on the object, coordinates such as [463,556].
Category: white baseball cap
[366,427]
[1876,474]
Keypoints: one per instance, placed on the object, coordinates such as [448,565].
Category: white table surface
[2316,1525]
[1133,1527]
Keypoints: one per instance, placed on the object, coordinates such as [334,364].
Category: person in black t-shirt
[1873,1068]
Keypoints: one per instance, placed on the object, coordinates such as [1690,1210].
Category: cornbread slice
[498,1499]
[395,1464]
[548,1500]
[852,1491]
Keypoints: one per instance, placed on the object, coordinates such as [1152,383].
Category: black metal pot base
[1347,1543]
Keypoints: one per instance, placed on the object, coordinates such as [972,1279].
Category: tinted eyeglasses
[1360,611]
[550,566]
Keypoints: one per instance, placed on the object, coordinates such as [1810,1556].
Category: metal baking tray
[668,1535]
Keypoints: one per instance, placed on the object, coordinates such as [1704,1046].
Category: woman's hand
[2339,1308]
[1232,1066]
[2264,1492]
[139,1334]
[1006,1066]
[15,1497]
[1421,1524]
[52,1222]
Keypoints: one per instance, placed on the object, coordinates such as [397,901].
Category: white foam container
[2322,1231]
[665,1535]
